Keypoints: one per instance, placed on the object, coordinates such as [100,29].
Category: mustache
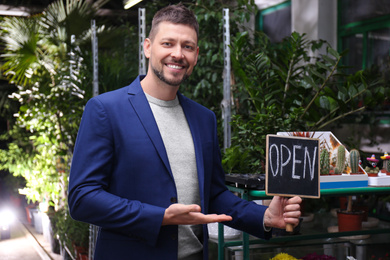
[181,61]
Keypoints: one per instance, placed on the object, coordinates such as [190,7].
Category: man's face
[173,53]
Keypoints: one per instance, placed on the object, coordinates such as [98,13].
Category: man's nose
[177,53]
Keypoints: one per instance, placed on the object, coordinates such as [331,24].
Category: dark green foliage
[52,80]
[206,83]
[69,231]
[291,86]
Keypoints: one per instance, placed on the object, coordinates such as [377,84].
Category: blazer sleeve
[89,200]
[247,215]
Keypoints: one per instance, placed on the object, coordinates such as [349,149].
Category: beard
[172,82]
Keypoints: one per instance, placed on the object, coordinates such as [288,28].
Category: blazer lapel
[141,106]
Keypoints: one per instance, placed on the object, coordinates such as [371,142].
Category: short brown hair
[178,14]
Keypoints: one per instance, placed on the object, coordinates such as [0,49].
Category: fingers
[292,221]
[292,214]
[292,211]
[195,211]
[295,200]
[292,207]
[217,218]
[193,208]
[179,214]
[293,204]
[178,209]
[201,218]
[282,211]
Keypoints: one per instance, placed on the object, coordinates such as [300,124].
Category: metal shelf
[246,240]
[260,194]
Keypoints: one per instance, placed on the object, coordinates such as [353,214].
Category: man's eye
[166,44]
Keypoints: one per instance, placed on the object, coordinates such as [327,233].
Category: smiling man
[147,168]
[172,50]
[175,51]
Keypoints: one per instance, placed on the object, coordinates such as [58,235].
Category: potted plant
[349,219]
[354,161]
[386,163]
[324,162]
[78,234]
[340,160]
[72,234]
[372,169]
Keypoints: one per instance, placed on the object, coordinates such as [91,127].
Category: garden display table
[317,232]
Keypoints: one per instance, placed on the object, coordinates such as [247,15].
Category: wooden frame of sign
[292,166]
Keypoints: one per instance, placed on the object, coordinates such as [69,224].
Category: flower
[284,256]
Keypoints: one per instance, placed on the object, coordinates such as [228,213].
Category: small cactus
[354,157]
[324,162]
[386,164]
[340,160]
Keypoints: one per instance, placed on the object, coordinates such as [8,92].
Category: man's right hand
[179,214]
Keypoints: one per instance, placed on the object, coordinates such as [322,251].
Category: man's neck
[158,89]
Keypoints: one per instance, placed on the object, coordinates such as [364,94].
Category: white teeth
[174,66]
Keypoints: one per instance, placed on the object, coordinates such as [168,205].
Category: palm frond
[21,48]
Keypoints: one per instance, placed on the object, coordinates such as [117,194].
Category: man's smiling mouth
[175,66]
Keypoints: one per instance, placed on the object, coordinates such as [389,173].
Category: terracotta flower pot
[349,221]
[343,203]
[364,210]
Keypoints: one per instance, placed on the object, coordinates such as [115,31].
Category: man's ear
[147,47]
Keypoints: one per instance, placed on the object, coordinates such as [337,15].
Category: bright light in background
[7,217]
[8,10]
[13,13]
[130,3]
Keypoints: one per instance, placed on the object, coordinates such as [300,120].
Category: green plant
[235,160]
[324,162]
[386,164]
[285,87]
[52,75]
[340,160]
[69,231]
[354,157]
[206,82]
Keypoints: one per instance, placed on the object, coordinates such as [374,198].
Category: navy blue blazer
[121,181]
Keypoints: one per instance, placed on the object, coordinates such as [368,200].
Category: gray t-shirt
[179,145]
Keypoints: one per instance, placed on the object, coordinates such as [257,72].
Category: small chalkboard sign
[292,166]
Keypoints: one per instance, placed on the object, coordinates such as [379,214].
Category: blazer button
[173,236]
[173,200]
